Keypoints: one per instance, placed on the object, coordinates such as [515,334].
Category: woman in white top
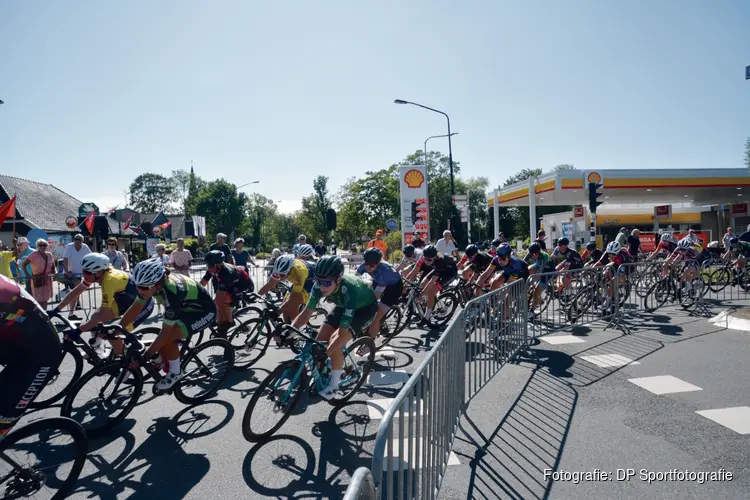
[116,258]
[160,252]
[180,258]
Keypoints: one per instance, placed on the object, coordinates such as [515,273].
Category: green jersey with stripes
[353,293]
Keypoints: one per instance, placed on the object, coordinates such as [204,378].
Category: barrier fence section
[362,486]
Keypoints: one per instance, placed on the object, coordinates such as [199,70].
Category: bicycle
[310,361]
[114,374]
[22,479]
[414,304]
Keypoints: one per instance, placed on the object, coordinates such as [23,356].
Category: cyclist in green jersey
[188,309]
[356,307]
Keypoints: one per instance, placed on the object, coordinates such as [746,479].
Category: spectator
[379,243]
[42,263]
[181,258]
[446,245]
[725,239]
[75,251]
[161,253]
[24,272]
[222,247]
[301,240]
[501,237]
[320,249]
[240,255]
[6,257]
[117,259]
[541,236]
[418,243]
[622,237]
[634,244]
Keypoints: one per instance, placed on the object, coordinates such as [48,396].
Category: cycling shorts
[191,322]
[392,294]
[363,318]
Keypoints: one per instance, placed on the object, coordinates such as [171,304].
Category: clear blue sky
[98,92]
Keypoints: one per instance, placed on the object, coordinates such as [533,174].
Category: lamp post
[247,184]
[433,137]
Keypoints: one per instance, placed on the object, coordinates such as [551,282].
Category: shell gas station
[653,201]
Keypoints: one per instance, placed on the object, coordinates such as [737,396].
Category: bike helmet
[563,241]
[613,248]
[418,243]
[667,238]
[283,265]
[496,242]
[713,244]
[535,248]
[148,272]
[329,268]
[408,250]
[471,251]
[734,241]
[372,256]
[591,246]
[305,251]
[214,257]
[430,252]
[276,253]
[95,262]
[685,243]
[504,250]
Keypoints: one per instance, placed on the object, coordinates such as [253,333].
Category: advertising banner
[415,204]
[649,241]
[151,246]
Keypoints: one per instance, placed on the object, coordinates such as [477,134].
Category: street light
[433,137]
[450,152]
[247,184]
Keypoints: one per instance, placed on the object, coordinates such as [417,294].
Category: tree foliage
[222,206]
[312,217]
[150,193]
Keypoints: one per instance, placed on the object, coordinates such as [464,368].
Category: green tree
[312,217]
[150,193]
[222,206]
[747,153]
[284,230]
[476,190]
[350,212]
[260,213]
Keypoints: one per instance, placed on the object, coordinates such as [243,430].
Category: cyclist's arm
[101,315]
[270,284]
[133,311]
[206,278]
[72,296]
[413,273]
[486,274]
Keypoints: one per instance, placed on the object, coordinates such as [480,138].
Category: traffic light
[593,195]
[331,219]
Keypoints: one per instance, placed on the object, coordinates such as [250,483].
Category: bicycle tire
[454,305]
[68,349]
[279,371]
[719,279]
[228,353]
[67,425]
[257,338]
[388,332]
[66,410]
[352,348]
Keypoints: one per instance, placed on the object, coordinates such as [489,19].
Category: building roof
[43,206]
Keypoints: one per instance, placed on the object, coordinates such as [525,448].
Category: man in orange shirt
[379,243]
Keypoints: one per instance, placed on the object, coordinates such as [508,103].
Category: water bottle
[326,371]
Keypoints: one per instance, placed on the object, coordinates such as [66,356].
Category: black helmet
[535,248]
[214,257]
[591,246]
[496,242]
[734,241]
[418,243]
[471,250]
[372,256]
[329,268]
[430,252]
[563,241]
[503,250]
[409,250]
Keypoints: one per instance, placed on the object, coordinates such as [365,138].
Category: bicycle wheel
[445,306]
[355,371]
[388,327]
[278,398]
[30,479]
[719,279]
[110,394]
[209,374]
[250,341]
[68,371]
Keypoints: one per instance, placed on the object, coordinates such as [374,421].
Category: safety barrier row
[362,486]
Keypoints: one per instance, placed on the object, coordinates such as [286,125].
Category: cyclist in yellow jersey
[118,294]
[300,274]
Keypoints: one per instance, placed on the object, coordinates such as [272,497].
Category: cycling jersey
[742,248]
[593,256]
[118,294]
[693,252]
[668,247]
[541,262]
[569,255]
[29,349]
[444,267]
[186,304]
[479,263]
[414,257]
[352,294]
[515,268]
[382,276]
[623,257]
[301,276]
[231,279]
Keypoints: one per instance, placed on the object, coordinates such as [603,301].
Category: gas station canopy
[653,187]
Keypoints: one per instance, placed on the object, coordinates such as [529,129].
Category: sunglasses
[429,259]
[144,288]
[324,283]
[110,244]
[42,245]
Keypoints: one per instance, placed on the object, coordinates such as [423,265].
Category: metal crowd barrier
[362,486]
[724,284]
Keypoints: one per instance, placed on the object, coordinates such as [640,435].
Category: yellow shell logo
[594,177]
[414,178]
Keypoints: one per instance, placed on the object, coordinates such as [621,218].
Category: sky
[97,93]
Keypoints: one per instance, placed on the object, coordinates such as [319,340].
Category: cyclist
[307,253]
[591,255]
[741,249]
[229,282]
[411,256]
[437,271]
[540,265]
[387,284]
[118,294]
[667,244]
[300,273]
[30,350]
[505,267]
[571,260]
[614,256]
[188,309]
[476,262]
[493,246]
[356,307]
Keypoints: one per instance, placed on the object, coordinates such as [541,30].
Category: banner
[199,226]
[415,204]
[151,246]
[89,222]
[57,244]
[649,241]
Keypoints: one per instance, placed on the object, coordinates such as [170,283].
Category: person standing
[725,240]
[634,244]
[379,243]
[181,258]
[622,237]
[240,255]
[320,249]
[42,264]
[75,251]
[301,240]
[117,259]
[447,245]
[541,238]
[6,257]
[222,246]
[24,272]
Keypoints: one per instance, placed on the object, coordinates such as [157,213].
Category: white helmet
[148,272]
[685,243]
[613,247]
[275,253]
[305,251]
[667,238]
[283,265]
[713,244]
[95,262]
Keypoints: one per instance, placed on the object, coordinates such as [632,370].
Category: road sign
[460,200]
[391,225]
[579,213]
[87,208]
[662,212]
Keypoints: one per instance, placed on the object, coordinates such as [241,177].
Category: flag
[8,210]
[165,225]
[127,223]
[112,210]
[89,222]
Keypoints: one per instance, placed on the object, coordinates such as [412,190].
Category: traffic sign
[391,225]
[662,212]
[87,208]
[578,213]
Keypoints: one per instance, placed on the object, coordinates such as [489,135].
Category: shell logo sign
[414,178]
[594,177]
